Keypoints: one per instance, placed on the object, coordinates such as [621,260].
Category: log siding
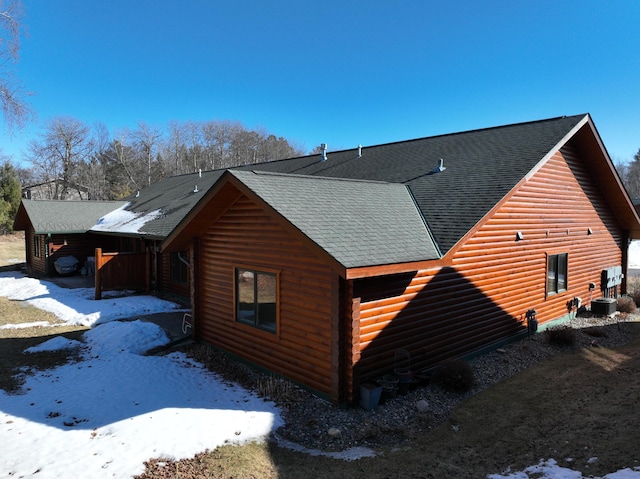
[36,261]
[304,346]
[479,298]
[165,284]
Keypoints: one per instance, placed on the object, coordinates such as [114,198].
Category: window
[36,246]
[179,269]
[256,298]
[557,273]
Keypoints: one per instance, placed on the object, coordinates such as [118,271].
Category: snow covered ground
[634,255]
[103,416]
[115,408]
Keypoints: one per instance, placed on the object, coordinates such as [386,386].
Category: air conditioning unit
[604,306]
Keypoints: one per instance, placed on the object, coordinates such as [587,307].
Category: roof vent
[439,168]
[195,190]
[359,151]
[199,173]
[137,193]
[323,146]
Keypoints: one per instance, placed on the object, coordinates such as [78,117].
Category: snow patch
[123,221]
[103,416]
[56,344]
[550,469]
[352,454]
[78,306]
[35,324]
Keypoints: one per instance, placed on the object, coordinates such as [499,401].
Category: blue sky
[337,72]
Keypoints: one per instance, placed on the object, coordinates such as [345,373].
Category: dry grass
[251,461]
[14,341]
[633,287]
[12,249]
[578,405]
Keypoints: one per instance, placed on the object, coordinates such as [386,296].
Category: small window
[256,298]
[179,269]
[36,246]
[557,273]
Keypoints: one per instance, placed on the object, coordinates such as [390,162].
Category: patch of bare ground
[532,400]
[14,364]
[12,250]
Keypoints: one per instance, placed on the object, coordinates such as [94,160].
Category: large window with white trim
[257,298]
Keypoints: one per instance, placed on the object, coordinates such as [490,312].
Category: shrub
[635,295]
[562,336]
[595,332]
[633,287]
[455,375]
[276,389]
[626,304]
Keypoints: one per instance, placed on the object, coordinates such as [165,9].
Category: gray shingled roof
[359,223]
[482,166]
[58,217]
[174,197]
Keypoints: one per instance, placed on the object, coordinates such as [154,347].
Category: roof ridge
[314,177]
[398,142]
[72,201]
[441,135]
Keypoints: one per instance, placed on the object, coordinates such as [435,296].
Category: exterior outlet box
[604,306]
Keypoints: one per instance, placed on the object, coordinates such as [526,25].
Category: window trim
[256,326]
[37,246]
[556,259]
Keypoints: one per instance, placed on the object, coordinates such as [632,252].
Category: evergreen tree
[10,194]
[631,179]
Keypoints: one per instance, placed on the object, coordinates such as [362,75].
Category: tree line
[69,154]
[630,175]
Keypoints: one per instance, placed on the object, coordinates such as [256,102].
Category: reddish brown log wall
[489,282]
[302,348]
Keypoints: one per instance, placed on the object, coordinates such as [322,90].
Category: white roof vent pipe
[439,168]
[323,146]
[359,151]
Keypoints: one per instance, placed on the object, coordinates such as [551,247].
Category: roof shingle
[359,223]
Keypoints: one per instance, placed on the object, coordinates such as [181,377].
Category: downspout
[194,288]
[47,240]
[155,257]
[184,260]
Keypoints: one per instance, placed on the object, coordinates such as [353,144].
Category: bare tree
[145,140]
[15,109]
[64,144]
[114,167]
[194,145]
[218,137]
[175,150]
[122,154]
